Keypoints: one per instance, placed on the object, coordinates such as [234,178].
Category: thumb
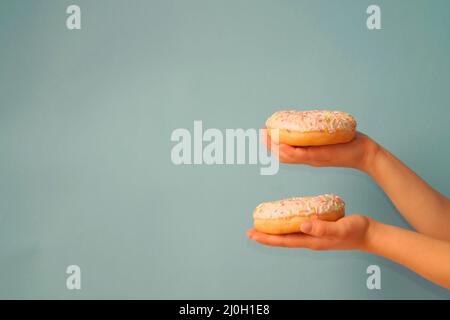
[320,228]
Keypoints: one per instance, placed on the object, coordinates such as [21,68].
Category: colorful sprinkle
[305,206]
[313,120]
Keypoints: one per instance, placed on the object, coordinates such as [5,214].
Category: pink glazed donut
[286,216]
[311,128]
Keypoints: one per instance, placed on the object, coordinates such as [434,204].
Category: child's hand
[349,233]
[357,153]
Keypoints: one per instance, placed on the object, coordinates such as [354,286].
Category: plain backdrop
[86,117]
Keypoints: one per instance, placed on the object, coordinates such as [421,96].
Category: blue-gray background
[85,123]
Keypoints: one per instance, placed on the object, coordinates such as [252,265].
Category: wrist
[371,156]
[372,232]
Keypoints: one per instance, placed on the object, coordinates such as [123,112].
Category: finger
[318,153]
[250,233]
[289,241]
[267,140]
[275,241]
[286,153]
[300,154]
[323,229]
[264,136]
[273,147]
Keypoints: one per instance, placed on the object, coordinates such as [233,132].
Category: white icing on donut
[305,206]
[314,120]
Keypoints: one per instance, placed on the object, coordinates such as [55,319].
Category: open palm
[349,233]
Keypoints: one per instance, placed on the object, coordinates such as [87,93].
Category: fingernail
[306,227]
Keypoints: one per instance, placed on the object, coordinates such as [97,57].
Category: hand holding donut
[329,138]
[357,154]
[349,233]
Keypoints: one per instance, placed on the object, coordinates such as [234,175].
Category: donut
[312,128]
[286,216]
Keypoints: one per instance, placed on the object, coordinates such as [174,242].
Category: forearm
[426,256]
[424,208]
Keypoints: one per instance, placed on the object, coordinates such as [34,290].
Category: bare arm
[427,210]
[424,255]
